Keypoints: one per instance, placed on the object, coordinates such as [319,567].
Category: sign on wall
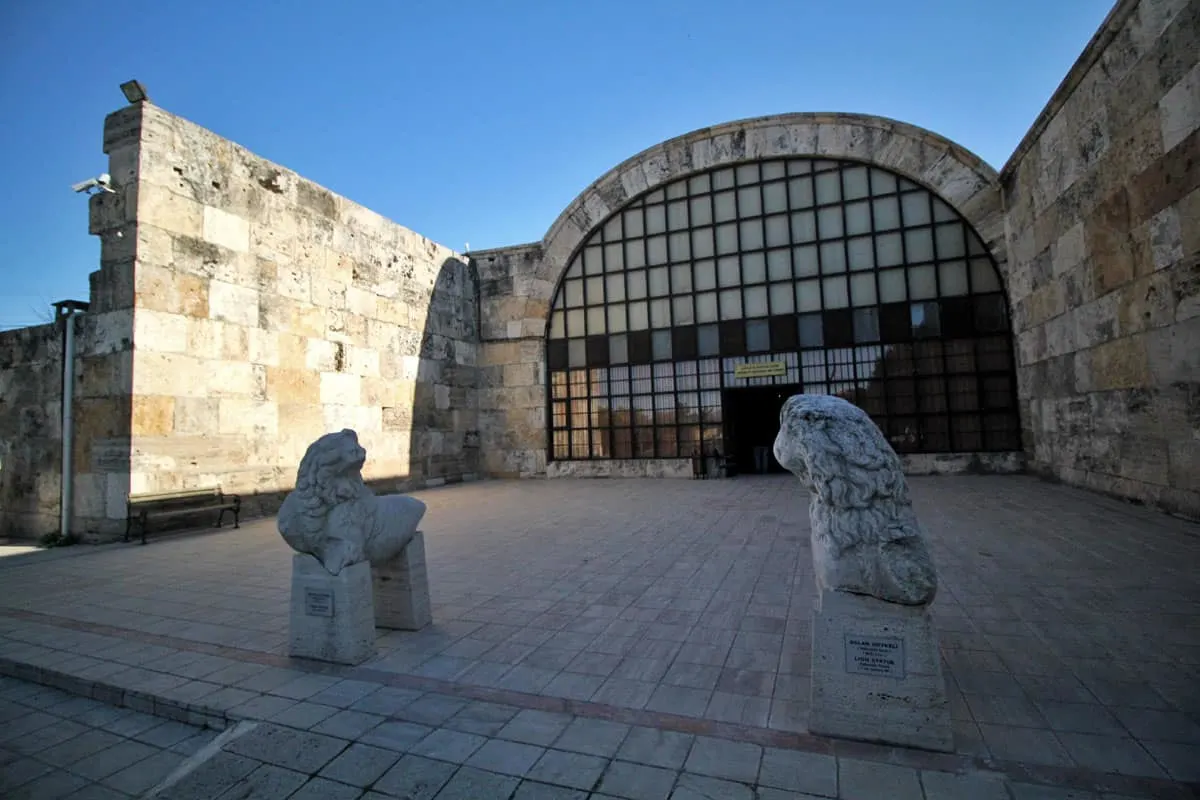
[761,369]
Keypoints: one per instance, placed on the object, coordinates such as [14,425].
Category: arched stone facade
[518,283]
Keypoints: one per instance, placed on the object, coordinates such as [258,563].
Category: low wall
[30,430]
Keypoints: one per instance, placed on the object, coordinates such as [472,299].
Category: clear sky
[476,121]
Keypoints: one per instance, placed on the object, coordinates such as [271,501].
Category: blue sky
[477,121]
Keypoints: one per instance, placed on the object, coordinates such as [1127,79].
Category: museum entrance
[751,415]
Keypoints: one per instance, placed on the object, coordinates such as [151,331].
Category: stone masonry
[1103,225]
[30,429]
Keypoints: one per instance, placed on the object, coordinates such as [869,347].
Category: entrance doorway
[751,415]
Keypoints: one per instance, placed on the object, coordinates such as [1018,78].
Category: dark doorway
[751,417]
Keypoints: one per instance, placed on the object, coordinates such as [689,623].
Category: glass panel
[952,278]
[660,313]
[812,332]
[800,192]
[866,325]
[699,184]
[727,238]
[804,260]
[804,226]
[636,284]
[656,219]
[592,262]
[573,292]
[618,349]
[576,268]
[595,290]
[681,246]
[639,316]
[751,234]
[882,182]
[926,320]
[862,289]
[943,212]
[708,340]
[799,166]
[683,310]
[660,345]
[915,208]
[616,318]
[772,170]
[656,250]
[829,222]
[950,241]
[829,188]
[729,271]
[749,202]
[758,336]
[833,257]
[722,179]
[783,298]
[701,208]
[595,320]
[755,301]
[747,173]
[706,275]
[835,292]
[922,282]
[633,223]
[558,325]
[612,229]
[676,190]
[635,253]
[616,287]
[858,218]
[774,197]
[889,250]
[706,307]
[861,253]
[575,322]
[778,232]
[808,296]
[724,207]
[974,245]
[614,257]
[677,218]
[983,276]
[731,304]
[892,287]
[576,352]
[779,264]
[887,213]
[681,278]
[854,182]
[702,243]
[918,245]
[754,268]
[659,284]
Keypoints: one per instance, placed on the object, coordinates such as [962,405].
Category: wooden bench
[143,508]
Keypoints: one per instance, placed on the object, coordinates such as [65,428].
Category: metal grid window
[864,284]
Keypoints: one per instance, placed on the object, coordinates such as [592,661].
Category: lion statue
[333,516]
[865,537]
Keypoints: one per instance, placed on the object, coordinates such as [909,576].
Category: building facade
[1044,317]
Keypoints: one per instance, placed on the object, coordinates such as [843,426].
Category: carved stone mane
[865,536]
[333,516]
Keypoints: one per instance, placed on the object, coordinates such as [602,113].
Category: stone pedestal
[333,618]
[877,674]
[401,589]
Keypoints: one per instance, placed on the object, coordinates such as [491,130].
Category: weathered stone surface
[332,616]
[333,516]
[401,588]
[865,536]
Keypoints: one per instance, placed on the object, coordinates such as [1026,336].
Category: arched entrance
[684,317]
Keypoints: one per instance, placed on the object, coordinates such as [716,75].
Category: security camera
[102,183]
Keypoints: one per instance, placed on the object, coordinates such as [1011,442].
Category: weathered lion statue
[332,515]
[865,536]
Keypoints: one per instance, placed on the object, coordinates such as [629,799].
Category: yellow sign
[762,369]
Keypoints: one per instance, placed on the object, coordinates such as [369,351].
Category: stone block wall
[1103,227]
[30,430]
[268,310]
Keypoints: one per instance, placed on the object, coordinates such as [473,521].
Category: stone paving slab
[650,587]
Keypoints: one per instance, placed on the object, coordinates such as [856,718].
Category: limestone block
[877,673]
[1180,109]
[247,417]
[152,415]
[226,230]
[196,415]
[232,303]
[332,616]
[1166,237]
[292,281]
[234,378]
[362,301]
[162,208]
[363,361]
[401,589]
[339,388]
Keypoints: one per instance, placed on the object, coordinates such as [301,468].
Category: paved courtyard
[1070,628]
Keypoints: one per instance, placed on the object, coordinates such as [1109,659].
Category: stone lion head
[329,479]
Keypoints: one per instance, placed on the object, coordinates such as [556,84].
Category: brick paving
[580,623]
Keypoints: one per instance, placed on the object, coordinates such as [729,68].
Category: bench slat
[143,507]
